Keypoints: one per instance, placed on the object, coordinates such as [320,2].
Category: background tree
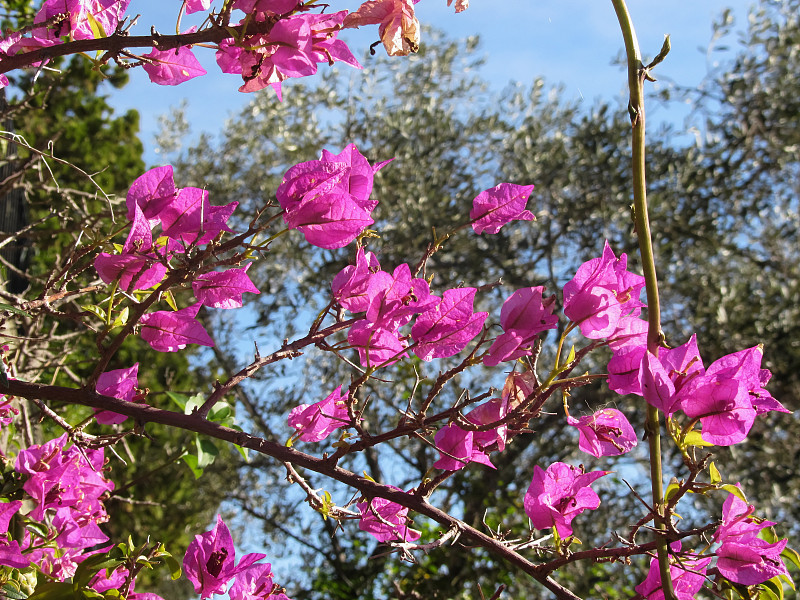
[448,145]
[66,132]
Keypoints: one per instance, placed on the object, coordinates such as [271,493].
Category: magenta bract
[223,289]
[209,560]
[172,67]
[525,314]
[688,576]
[605,433]
[392,522]
[315,422]
[742,556]
[498,206]
[119,383]
[168,331]
[558,495]
[447,329]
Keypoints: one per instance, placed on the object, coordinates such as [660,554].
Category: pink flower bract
[558,495]
[495,207]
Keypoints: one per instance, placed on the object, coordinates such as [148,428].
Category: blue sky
[572,42]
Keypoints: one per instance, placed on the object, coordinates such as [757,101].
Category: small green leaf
[774,587]
[178,399]
[96,27]
[56,590]
[672,489]
[220,412]
[736,491]
[170,299]
[207,452]
[173,565]
[192,403]
[12,591]
[569,359]
[12,309]
[768,534]
[714,473]
[792,556]
[37,529]
[121,319]
[693,438]
[787,580]
[191,462]
[95,310]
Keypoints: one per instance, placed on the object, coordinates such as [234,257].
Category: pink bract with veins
[605,433]
[315,422]
[559,494]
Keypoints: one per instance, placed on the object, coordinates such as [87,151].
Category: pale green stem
[636,77]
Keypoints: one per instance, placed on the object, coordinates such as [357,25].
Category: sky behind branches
[568,42]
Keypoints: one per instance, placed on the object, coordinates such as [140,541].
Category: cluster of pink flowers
[187,220]
[293,45]
[292,48]
[328,200]
[66,488]
[210,564]
[386,520]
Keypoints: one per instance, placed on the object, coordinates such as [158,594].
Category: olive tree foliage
[725,204]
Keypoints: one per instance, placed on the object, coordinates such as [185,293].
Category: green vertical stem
[636,77]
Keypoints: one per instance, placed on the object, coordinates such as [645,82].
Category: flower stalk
[637,73]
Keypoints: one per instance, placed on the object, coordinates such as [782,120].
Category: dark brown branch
[117,43]
[149,414]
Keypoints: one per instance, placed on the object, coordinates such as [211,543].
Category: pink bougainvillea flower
[326,47]
[267,7]
[605,433]
[172,67]
[688,576]
[399,27]
[119,383]
[292,48]
[191,219]
[136,268]
[315,422]
[459,447]
[330,221]
[392,522]
[193,6]
[328,200]
[152,191]
[83,16]
[446,329]
[657,388]
[375,345]
[558,495]
[623,370]
[728,395]
[525,314]
[724,409]
[7,510]
[254,583]
[209,560]
[168,331]
[223,289]
[742,556]
[498,206]
[283,53]
[601,293]
[393,299]
[745,367]
[349,286]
